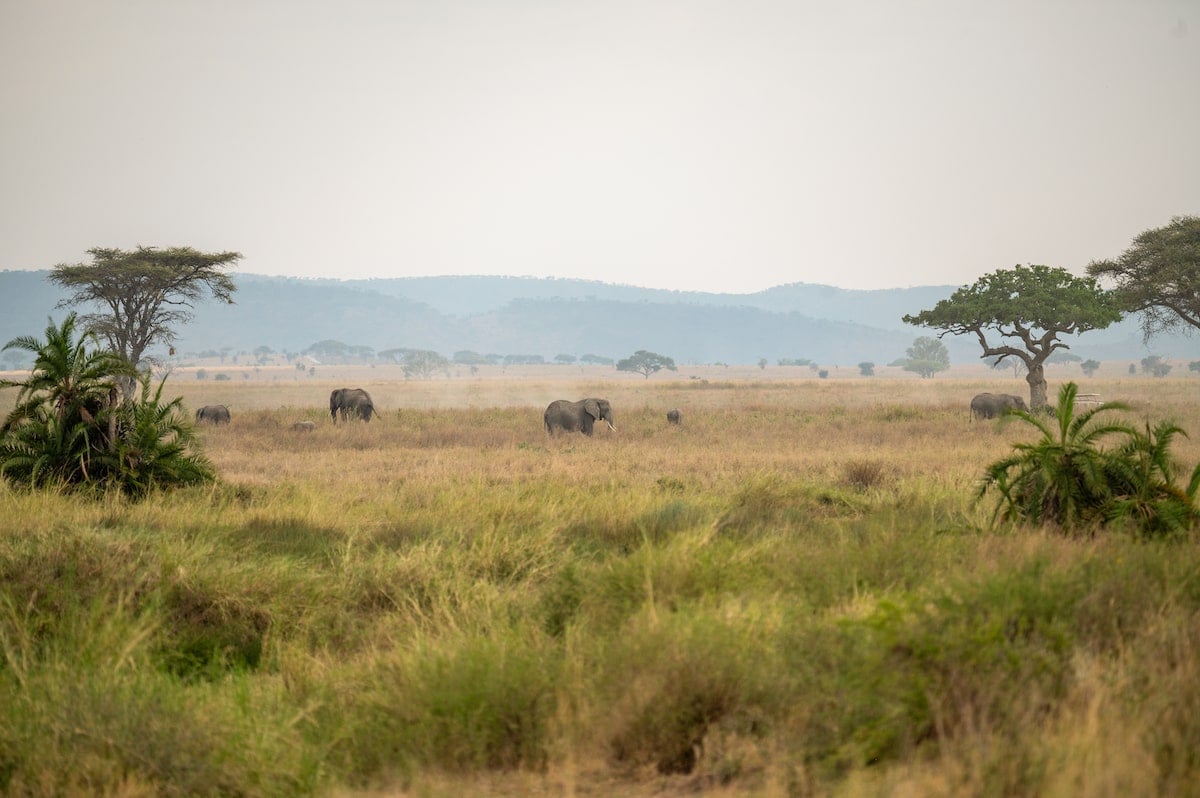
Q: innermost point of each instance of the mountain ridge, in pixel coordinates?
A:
(551, 316)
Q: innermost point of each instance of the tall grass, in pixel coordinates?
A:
(791, 593)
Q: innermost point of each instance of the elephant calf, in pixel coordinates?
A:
(304, 426)
(577, 416)
(674, 416)
(990, 405)
(212, 414)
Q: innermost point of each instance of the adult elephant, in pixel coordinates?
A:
(577, 416)
(990, 405)
(674, 416)
(351, 402)
(212, 414)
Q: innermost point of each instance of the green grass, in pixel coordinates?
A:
(438, 605)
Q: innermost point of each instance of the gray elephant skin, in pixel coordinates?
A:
(351, 403)
(566, 416)
(212, 414)
(990, 405)
(304, 426)
(674, 416)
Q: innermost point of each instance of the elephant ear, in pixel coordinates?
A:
(592, 408)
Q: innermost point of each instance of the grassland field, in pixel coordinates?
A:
(793, 592)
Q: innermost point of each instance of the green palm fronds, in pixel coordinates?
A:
(73, 426)
(1067, 479)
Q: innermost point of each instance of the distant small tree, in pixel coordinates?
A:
(1016, 366)
(420, 364)
(565, 360)
(1090, 367)
(327, 349)
(794, 361)
(1132, 369)
(762, 364)
(823, 373)
(1155, 367)
(524, 360)
(646, 363)
(1194, 366)
(1063, 356)
(596, 360)
(866, 369)
(927, 356)
(466, 357)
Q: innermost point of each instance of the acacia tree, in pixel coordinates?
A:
(1159, 276)
(646, 363)
(145, 293)
(1028, 307)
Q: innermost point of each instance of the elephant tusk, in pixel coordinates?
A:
(611, 427)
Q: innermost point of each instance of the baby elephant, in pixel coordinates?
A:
(304, 426)
(674, 416)
(212, 414)
(990, 405)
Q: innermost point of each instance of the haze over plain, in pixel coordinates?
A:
(686, 145)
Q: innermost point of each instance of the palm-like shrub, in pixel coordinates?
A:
(1066, 479)
(1143, 474)
(72, 426)
(68, 379)
(155, 445)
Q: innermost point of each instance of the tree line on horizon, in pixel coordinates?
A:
(145, 295)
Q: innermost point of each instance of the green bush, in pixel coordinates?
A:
(72, 427)
(1068, 480)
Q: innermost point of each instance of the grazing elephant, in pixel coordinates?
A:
(990, 405)
(351, 402)
(674, 416)
(577, 416)
(212, 414)
(304, 426)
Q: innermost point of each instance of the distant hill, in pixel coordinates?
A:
(549, 317)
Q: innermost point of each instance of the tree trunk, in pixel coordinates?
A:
(1036, 377)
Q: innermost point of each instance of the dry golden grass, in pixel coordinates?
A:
(899, 430)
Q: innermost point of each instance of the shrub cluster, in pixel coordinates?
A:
(73, 426)
(1066, 479)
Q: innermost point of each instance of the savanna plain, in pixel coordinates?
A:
(794, 592)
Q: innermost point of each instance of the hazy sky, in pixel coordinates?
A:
(718, 146)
